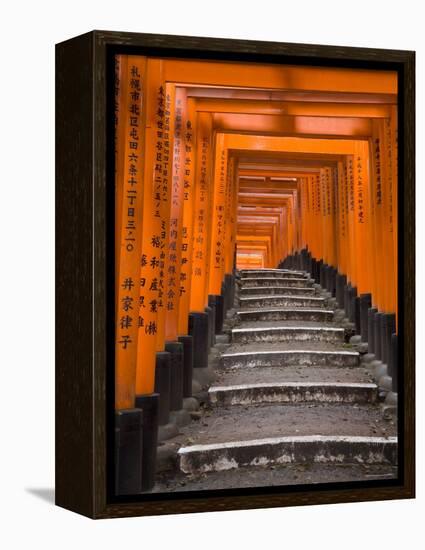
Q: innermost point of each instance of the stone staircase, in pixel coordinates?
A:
(290, 392)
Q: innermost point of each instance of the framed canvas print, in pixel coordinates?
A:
(235, 274)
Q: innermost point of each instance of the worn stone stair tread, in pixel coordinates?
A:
(277, 290)
(296, 298)
(293, 282)
(245, 314)
(278, 475)
(272, 272)
(275, 354)
(287, 334)
(290, 356)
(259, 347)
(276, 276)
(273, 275)
(285, 300)
(288, 450)
(258, 435)
(278, 309)
(248, 423)
(293, 392)
(295, 373)
(277, 269)
(286, 323)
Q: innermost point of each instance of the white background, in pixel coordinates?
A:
(29, 31)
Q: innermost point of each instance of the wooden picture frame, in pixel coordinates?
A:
(84, 358)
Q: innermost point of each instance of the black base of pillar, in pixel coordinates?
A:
(341, 282)
(319, 268)
(352, 304)
(388, 329)
(198, 329)
(304, 259)
(232, 290)
(377, 328)
(187, 342)
(211, 326)
(211, 304)
(322, 274)
(393, 364)
(356, 321)
(162, 385)
(219, 313)
(328, 278)
(365, 304)
(382, 330)
(149, 404)
(332, 280)
(128, 451)
(371, 312)
(347, 295)
(176, 374)
(223, 295)
(314, 269)
(228, 291)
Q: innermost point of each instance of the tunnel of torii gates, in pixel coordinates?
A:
(223, 166)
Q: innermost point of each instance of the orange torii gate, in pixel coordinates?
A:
(276, 215)
(214, 283)
(233, 102)
(179, 163)
(280, 231)
(358, 190)
(299, 77)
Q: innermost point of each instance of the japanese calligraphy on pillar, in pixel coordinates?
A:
(188, 200)
(172, 283)
(346, 204)
(162, 238)
(176, 215)
(318, 194)
(350, 182)
(153, 256)
(328, 192)
(378, 173)
(185, 278)
(201, 212)
(360, 190)
(229, 217)
(219, 211)
(200, 219)
(129, 184)
(341, 186)
(390, 171)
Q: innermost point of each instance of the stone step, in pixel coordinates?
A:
(288, 334)
(282, 357)
(273, 281)
(285, 314)
(293, 392)
(286, 290)
(275, 476)
(275, 433)
(281, 300)
(288, 450)
(227, 424)
(294, 373)
(249, 273)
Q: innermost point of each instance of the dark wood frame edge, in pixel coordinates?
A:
(81, 273)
